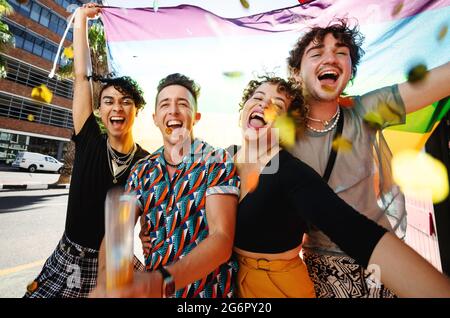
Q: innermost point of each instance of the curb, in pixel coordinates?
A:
(33, 186)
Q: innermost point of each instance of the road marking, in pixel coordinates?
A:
(12, 270)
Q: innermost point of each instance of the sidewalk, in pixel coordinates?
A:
(16, 180)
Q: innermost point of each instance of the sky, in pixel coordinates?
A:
(206, 60)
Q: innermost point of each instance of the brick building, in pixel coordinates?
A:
(37, 26)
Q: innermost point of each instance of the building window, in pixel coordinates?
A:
(43, 16)
(21, 108)
(28, 42)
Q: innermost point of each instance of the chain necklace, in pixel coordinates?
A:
(171, 164)
(123, 161)
(325, 122)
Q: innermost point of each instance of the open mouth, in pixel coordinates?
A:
(174, 124)
(257, 120)
(117, 121)
(328, 77)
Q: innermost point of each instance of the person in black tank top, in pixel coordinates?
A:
(102, 161)
(280, 195)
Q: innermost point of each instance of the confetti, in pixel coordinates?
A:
(155, 5)
(442, 33)
(32, 286)
(234, 74)
(387, 114)
(124, 214)
(270, 113)
(398, 7)
(68, 52)
(245, 4)
(418, 173)
(42, 93)
(374, 119)
(417, 73)
(346, 101)
(342, 144)
(286, 126)
(169, 131)
(30, 117)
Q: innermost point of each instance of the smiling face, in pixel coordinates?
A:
(175, 113)
(267, 98)
(325, 69)
(117, 112)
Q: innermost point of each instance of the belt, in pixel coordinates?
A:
(76, 250)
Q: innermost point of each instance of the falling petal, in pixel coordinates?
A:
(387, 114)
(343, 144)
(245, 4)
(328, 88)
(442, 33)
(286, 127)
(42, 93)
(374, 119)
(346, 101)
(68, 52)
(234, 74)
(168, 131)
(251, 182)
(30, 117)
(155, 5)
(420, 174)
(417, 73)
(270, 113)
(398, 7)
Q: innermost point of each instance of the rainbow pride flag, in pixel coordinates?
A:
(203, 39)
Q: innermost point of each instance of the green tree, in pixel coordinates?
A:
(6, 37)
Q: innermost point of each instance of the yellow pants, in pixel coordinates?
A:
(260, 278)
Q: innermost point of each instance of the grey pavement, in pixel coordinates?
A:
(31, 224)
(15, 179)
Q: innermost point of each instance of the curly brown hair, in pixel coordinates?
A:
(292, 89)
(125, 85)
(350, 37)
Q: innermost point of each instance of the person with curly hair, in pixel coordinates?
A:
(324, 61)
(280, 195)
(102, 161)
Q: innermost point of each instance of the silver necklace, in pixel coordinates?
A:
(336, 118)
(324, 122)
(114, 158)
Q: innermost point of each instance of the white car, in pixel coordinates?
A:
(33, 161)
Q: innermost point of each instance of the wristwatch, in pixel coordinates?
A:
(168, 286)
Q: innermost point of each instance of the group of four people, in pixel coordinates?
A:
(206, 229)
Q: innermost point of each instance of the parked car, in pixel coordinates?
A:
(33, 161)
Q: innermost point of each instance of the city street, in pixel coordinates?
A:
(14, 176)
(31, 224)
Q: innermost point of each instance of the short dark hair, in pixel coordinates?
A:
(125, 85)
(182, 80)
(297, 110)
(350, 37)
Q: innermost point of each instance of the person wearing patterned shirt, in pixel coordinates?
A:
(187, 199)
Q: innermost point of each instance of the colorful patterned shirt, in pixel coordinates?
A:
(175, 214)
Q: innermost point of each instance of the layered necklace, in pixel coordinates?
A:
(325, 123)
(119, 164)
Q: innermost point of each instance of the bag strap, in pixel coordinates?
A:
(333, 154)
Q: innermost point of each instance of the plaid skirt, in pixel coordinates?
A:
(336, 276)
(70, 272)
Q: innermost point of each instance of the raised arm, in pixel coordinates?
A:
(82, 96)
(432, 88)
(405, 272)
